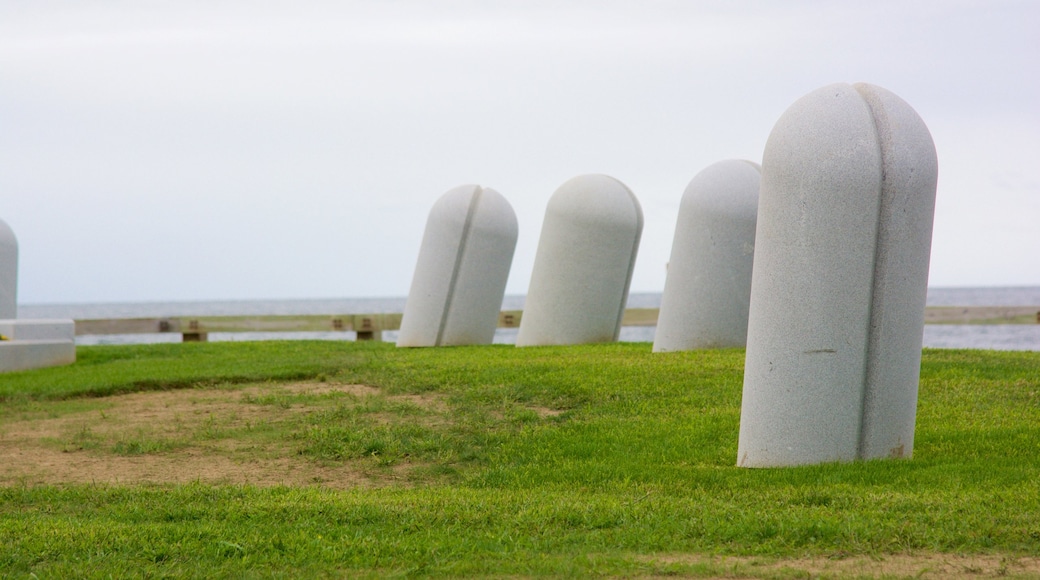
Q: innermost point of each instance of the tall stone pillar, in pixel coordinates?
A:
(708, 287)
(840, 276)
(583, 267)
(8, 273)
(460, 277)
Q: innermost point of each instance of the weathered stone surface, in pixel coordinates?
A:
(460, 277)
(583, 267)
(708, 287)
(8, 272)
(840, 276)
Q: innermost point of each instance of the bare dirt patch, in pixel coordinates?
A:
(887, 566)
(544, 412)
(176, 437)
(432, 402)
(326, 388)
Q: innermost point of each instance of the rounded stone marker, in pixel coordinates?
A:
(583, 266)
(838, 290)
(708, 287)
(8, 272)
(460, 277)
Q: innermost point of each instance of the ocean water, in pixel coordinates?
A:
(999, 337)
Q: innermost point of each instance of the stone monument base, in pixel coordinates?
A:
(36, 343)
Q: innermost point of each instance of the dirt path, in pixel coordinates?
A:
(933, 566)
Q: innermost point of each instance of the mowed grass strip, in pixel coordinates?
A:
(592, 460)
(108, 370)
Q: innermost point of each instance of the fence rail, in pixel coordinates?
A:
(371, 326)
(982, 315)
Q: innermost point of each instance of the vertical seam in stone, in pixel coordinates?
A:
(463, 240)
(876, 293)
(631, 262)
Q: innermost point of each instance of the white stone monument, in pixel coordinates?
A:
(24, 343)
(8, 272)
(838, 290)
(708, 287)
(460, 277)
(583, 267)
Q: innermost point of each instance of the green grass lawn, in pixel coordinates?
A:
(574, 461)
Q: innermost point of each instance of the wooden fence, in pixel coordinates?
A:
(371, 326)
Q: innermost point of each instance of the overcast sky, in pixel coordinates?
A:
(190, 150)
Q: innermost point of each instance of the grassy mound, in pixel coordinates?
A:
(593, 460)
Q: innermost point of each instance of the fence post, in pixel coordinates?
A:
(194, 333)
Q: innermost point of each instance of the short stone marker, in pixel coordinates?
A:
(838, 290)
(25, 343)
(708, 287)
(460, 277)
(583, 266)
(8, 272)
(32, 344)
